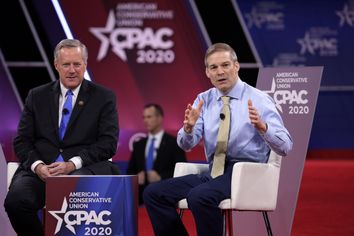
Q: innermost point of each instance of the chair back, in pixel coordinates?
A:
(274, 159)
(255, 185)
(187, 168)
(11, 169)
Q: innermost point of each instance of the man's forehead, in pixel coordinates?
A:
(219, 57)
(149, 111)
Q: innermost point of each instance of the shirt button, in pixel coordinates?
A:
(60, 150)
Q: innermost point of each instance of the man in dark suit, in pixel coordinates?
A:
(164, 151)
(67, 127)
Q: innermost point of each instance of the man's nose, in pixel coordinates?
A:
(219, 70)
(71, 68)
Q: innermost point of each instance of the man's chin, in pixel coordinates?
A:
(71, 83)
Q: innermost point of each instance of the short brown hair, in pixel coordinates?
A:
(220, 47)
(158, 108)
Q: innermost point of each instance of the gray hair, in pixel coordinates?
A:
(220, 47)
(71, 43)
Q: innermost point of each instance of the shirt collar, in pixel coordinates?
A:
(157, 136)
(235, 92)
(64, 90)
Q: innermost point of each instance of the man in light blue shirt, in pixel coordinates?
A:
(245, 142)
(255, 128)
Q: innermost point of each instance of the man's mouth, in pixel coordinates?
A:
(222, 80)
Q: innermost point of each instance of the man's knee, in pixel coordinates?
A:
(149, 191)
(197, 198)
(18, 201)
(9, 204)
(15, 202)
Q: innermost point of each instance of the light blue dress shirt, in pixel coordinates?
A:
(245, 142)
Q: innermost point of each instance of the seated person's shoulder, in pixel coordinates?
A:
(170, 137)
(139, 142)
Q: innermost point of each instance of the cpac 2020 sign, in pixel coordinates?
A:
(91, 205)
(125, 30)
(96, 223)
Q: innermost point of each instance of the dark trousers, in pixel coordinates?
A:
(27, 195)
(203, 196)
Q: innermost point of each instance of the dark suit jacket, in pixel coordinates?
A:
(167, 155)
(92, 131)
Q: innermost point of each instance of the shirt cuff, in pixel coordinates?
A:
(272, 138)
(270, 132)
(184, 133)
(77, 162)
(35, 164)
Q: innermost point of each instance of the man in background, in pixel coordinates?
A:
(68, 127)
(154, 157)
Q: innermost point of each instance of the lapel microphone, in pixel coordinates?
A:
(222, 116)
(65, 111)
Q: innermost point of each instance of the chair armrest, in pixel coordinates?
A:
(254, 186)
(11, 169)
(186, 168)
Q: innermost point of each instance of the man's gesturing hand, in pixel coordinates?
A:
(256, 120)
(191, 116)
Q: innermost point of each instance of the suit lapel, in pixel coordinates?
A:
(142, 161)
(162, 146)
(80, 103)
(54, 108)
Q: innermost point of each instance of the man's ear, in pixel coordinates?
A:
(237, 65)
(207, 72)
